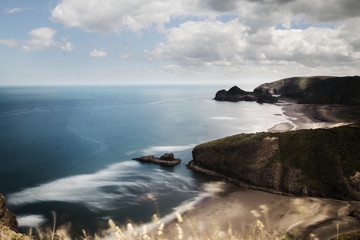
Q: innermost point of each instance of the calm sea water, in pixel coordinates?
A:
(69, 149)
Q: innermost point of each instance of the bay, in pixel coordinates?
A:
(69, 149)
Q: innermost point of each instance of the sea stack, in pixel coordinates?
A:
(166, 159)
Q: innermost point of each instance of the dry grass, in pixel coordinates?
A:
(156, 231)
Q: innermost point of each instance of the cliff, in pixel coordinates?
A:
(320, 162)
(316, 90)
(7, 219)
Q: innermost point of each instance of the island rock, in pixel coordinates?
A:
(166, 159)
(235, 94)
(7, 219)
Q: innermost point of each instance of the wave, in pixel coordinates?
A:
(119, 185)
(24, 111)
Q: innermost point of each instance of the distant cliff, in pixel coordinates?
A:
(320, 162)
(235, 94)
(7, 219)
(316, 90)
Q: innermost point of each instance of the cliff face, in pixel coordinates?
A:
(7, 219)
(321, 162)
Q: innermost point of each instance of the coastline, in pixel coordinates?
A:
(281, 215)
(303, 116)
(297, 217)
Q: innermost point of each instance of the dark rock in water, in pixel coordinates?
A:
(7, 218)
(166, 159)
(235, 94)
(167, 156)
(355, 213)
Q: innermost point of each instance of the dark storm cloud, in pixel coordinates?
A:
(220, 6)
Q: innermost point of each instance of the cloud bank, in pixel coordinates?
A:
(233, 37)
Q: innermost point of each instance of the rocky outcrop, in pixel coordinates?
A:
(321, 162)
(355, 213)
(235, 94)
(7, 219)
(166, 159)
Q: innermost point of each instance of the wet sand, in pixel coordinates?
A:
(296, 217)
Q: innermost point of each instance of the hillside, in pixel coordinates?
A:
(317, 89)
(320, 162)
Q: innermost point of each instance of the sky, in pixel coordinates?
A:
(76, 42)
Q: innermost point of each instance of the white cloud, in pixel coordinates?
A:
(98, 53)
(195, 43)
(16, 10)
(40, 39)
(115, 15)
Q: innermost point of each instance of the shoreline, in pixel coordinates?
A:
(281, 215)
(303, 116)
(240, 210)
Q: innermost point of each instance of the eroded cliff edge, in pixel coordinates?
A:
(7, 219)
(318, 162)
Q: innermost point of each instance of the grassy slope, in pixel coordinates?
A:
(324, 157)
(336, 90)
(318, 89)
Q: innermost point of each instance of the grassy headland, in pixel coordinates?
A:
(317, 90)
(318, 162)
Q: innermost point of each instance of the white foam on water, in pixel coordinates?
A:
(121, 184)
(161, 149)
(30, 220)
(23, 111)
(223, 118)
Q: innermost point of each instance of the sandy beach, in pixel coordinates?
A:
(301, 116)
(295, 217)
(280, 215)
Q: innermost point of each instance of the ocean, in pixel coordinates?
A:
(68, 150)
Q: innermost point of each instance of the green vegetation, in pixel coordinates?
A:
(320, 162)
(289, 87)
(317, 90)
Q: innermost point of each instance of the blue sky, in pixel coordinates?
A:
(74, 42)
